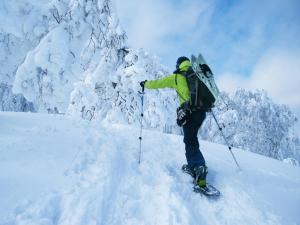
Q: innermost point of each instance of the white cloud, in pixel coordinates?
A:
(277, 72)
(155, 25)
(230, 82)
(231, 35)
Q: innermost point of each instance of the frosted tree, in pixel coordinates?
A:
(80, 34)
(252, 121)
(17, 37)
(111, 92)
(78, 45)
(159, 105)
(10, 56)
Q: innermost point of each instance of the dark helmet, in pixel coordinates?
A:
(180, 60)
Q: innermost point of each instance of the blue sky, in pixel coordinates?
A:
(248, 43)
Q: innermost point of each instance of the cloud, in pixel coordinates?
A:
(277, 72)
(230, 82)
(242, 31)
(231, 34)
(162, 27)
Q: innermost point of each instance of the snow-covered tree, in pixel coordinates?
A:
(111, 92)
(79, 34)
(78, 45)
(252, 121)
(12, 102)
(15, 41)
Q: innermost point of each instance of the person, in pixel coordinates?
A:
(196, 165)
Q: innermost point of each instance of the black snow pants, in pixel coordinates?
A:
(193, 154)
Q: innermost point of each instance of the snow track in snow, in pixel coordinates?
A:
(112, 188)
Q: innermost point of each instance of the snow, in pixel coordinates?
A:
(59, 170)
(72, 56)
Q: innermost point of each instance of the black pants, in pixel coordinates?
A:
(193, 154)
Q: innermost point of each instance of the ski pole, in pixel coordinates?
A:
(141, 128)
(226, 141)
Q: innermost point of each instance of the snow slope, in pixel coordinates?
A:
(76, 172)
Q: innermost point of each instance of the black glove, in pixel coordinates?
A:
(142, 83)
(183, 114)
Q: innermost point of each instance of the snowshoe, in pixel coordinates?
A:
(201, 187)
(207, 190)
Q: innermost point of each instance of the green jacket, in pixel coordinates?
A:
(175, 81)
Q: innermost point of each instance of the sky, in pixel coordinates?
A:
(248, 43)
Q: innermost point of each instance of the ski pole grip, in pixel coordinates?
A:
(143, 85)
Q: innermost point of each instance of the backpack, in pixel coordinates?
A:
(203, 90)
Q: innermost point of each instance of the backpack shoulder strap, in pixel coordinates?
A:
(176, 72)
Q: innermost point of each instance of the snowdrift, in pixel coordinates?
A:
(76, 172)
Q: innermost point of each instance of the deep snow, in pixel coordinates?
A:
(77, 172)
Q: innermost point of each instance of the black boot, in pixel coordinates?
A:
(187, 169)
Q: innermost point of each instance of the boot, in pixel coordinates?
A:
(200, 175)
(187, 169)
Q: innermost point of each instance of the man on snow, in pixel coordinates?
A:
(190, 119)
